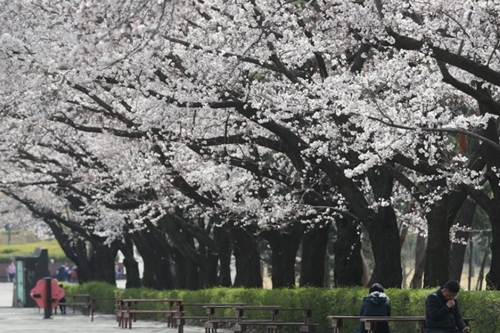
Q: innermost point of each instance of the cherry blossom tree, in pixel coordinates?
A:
(267, 113)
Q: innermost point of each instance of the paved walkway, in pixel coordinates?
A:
(26, 320)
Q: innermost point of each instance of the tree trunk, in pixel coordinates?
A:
(247, 255)
(493, 276)
(102, 263)
(314, 246)
(156, 254)
(384, 236)
(437, 261)
(131, 265)
(464, 220)
(420, 246)
(479, 284)
(348, 264)
(221, 237)
(164, 277)
(284, 246)
(384, 233)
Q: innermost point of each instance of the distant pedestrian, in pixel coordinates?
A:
(74, 274)
(11, 272)
(62, 274)
(118, 271)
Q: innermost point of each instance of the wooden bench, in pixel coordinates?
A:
(213, 323)
(338, 321)
(85, 301)
(370, 322)
(272, 325)
(181, 318)
(127, 310)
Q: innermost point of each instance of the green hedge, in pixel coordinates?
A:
(482, 305)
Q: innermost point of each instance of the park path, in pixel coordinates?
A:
(27, 320)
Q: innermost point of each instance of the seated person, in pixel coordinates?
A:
(441, 310)
(375, 304)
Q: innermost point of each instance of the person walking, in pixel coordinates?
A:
(441, 310)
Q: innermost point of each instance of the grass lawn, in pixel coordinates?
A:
(25, 244)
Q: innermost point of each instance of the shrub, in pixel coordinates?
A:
(481, 305)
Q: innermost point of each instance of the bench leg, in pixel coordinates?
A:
(180, 325)
(212, 329)
(243, 329)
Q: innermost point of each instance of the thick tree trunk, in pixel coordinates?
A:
(164, 277)
(95, 261)
(155, 253)
(348, 264)
(247, 256)
(420, 248)
(463, 220)
(384, 236)
(314, 246)
(493, 276)
(131, 265)
(101, 263)
(221, 237)
(206, 278)
(284, 246)
(384, 233)
(437, 261)
(209, 279)
(148, 258)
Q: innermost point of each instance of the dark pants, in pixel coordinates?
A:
(62, 307)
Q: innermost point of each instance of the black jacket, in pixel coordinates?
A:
(438, 315)
(375, 304)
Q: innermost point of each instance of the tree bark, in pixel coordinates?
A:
(437, 261)
(221, 237)
(420, 248)
(131, 265)
(284, 246)
(493, 276)
(384, 233)
(314, 246)
(464, 220)
(348, 264)
(247, 256)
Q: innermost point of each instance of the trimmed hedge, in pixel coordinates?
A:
(482, 305)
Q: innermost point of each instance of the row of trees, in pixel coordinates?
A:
(190, 129)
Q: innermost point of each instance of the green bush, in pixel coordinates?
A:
(481, 305)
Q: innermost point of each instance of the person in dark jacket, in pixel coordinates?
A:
(375, 304)
(441, 310)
